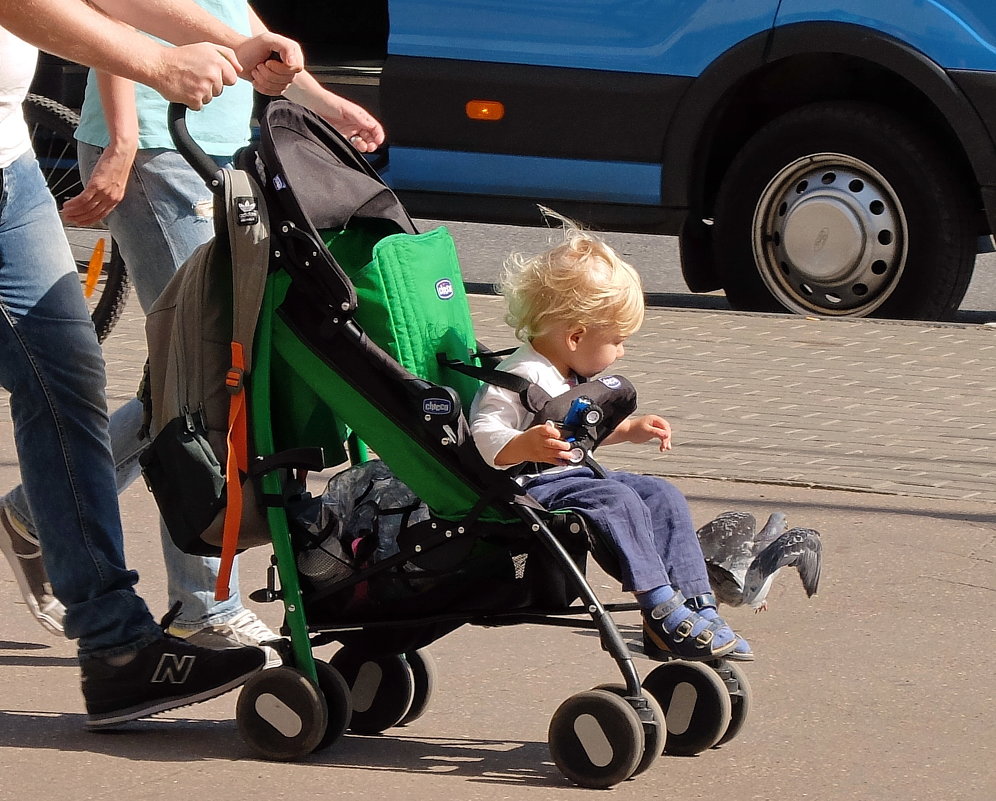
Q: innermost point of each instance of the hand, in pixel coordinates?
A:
(357, 125)
(541, 443)
(105, 188)
(194, 74)
(648, 427)
(270, 75)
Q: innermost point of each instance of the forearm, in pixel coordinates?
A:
(78, 33)
(307, 91)
(117, 98)
(176, 21)
(620, 433)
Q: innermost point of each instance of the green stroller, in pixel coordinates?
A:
(357, 334)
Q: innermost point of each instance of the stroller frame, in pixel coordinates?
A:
(316, 691)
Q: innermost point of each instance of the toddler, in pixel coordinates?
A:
(573, 307)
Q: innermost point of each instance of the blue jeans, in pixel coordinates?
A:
(646, 518)
(52, 366)
(165, 215)
(163, 218)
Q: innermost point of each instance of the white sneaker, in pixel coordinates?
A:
(243, 629)
(23, 551)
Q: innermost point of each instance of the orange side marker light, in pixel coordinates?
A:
(486, 110)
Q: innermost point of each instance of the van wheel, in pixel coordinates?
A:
(845, 210)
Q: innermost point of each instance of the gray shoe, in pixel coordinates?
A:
(23, 552)
(243, 629)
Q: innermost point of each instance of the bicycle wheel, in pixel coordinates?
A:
(51, 126)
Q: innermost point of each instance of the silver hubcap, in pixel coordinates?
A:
(830, 236)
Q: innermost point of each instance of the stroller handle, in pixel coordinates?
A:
(201, 162)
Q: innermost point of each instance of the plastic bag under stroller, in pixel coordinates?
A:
(366, 516)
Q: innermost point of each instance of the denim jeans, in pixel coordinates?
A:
(646, 518)
(52, 366)
(164, 216)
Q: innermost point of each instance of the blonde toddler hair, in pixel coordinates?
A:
(580, 281)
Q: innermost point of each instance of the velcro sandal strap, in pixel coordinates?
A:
(661, 611)
(704, 601)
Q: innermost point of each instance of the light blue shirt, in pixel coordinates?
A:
(220, 128)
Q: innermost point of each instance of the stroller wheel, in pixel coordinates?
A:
(596, 739)
(740, 694)
(696, 705)
(281, 715)
(340, 708)
(424, 673)
(381, 688)
(654, 736)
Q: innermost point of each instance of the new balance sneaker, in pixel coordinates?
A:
(23, 552)
(167, 674)
(243, 629)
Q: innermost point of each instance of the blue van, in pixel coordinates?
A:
(832, 158)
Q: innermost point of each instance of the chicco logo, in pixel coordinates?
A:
(436, 406)
(444, 289)
(611, 381)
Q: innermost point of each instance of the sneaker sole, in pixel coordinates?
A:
(119, 716)
(48, 623)
(733, 656)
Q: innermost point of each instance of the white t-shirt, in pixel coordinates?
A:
(497, 415)
(17, 68)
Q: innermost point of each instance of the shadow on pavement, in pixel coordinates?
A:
(185, 740)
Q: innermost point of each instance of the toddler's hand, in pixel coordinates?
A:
(541, 443)
(651, 426)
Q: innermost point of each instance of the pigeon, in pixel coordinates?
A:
(730, 544)
(798, 547)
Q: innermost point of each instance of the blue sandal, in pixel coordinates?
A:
(705, 604)
(689, 636)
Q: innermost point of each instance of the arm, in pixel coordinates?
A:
(184, 22)
(497, 422)
(75, 31)
(191, 74)
(642, 429)
(349, 119)
(107, 184)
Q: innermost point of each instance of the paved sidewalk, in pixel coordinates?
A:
(878, 688)
(898, 408)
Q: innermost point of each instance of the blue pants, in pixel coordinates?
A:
(165, 215)
(52, 366)
(646, 519)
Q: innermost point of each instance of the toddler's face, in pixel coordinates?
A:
(596, 350)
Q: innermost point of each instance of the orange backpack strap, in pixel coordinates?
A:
(236, 465)
(248, 235)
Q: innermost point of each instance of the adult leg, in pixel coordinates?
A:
(164, 216)
(52, 366)
(51, 363)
